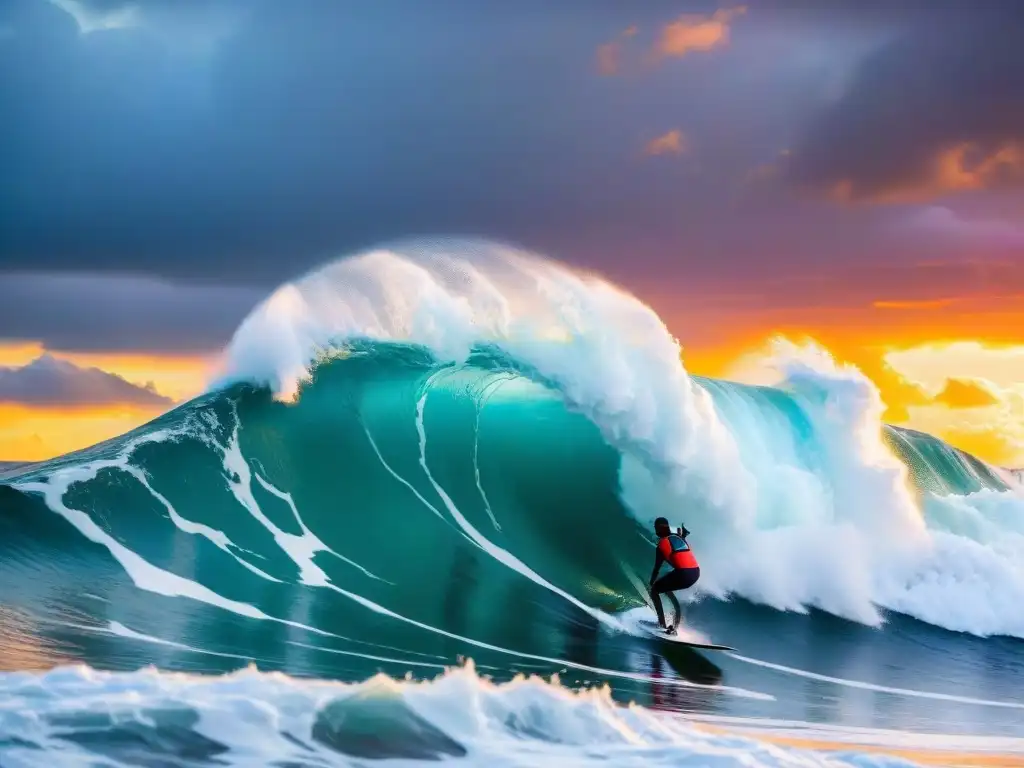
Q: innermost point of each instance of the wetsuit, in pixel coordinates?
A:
(674, 550)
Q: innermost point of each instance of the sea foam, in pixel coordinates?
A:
(71, 716)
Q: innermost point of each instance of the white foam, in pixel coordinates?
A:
(848, 534)
(610, 354)
(287, 499)
(143, 573)
(839, 531)
(301, 548)
(59, 480)
(633, 620)
(476, 466)
(117, 629)
(218, 538)
(260, 717)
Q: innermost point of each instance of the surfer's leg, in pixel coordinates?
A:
(678, 613)
(656, 598)
(669, 584)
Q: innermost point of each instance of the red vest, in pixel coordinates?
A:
(677, 552)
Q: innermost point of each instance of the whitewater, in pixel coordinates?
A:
(447, 450)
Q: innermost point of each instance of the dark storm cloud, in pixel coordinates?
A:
(243, 142)
(110, 313)
(50, 381)
(248, 140)
(939, 109)
(296, 134)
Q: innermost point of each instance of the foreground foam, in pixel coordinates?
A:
(75, 715)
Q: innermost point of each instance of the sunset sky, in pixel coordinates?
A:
(844, 171)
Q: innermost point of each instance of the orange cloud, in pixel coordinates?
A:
(1002, 365)
(962, 167)
(965, 166)
(32, 432)
(609, 55)
(179, 377)
(48, 381)
(992, 375)
(687, 34)
(672, 143)
(12, 355)
(692, 32)
(966, 393)
(921, 304)
(22, 446)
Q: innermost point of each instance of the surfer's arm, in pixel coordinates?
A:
(658, 560)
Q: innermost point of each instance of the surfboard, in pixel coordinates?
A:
(653, 629)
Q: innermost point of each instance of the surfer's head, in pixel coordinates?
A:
(661, 527)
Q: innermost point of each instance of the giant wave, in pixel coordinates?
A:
(795, 489)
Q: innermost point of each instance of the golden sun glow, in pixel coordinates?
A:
(970, 393)
(978, 394)
(36, 432)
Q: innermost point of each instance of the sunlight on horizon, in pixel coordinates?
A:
(994, 432)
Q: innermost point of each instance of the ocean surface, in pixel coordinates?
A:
(411, 519)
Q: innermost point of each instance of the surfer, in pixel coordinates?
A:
(672, 549)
